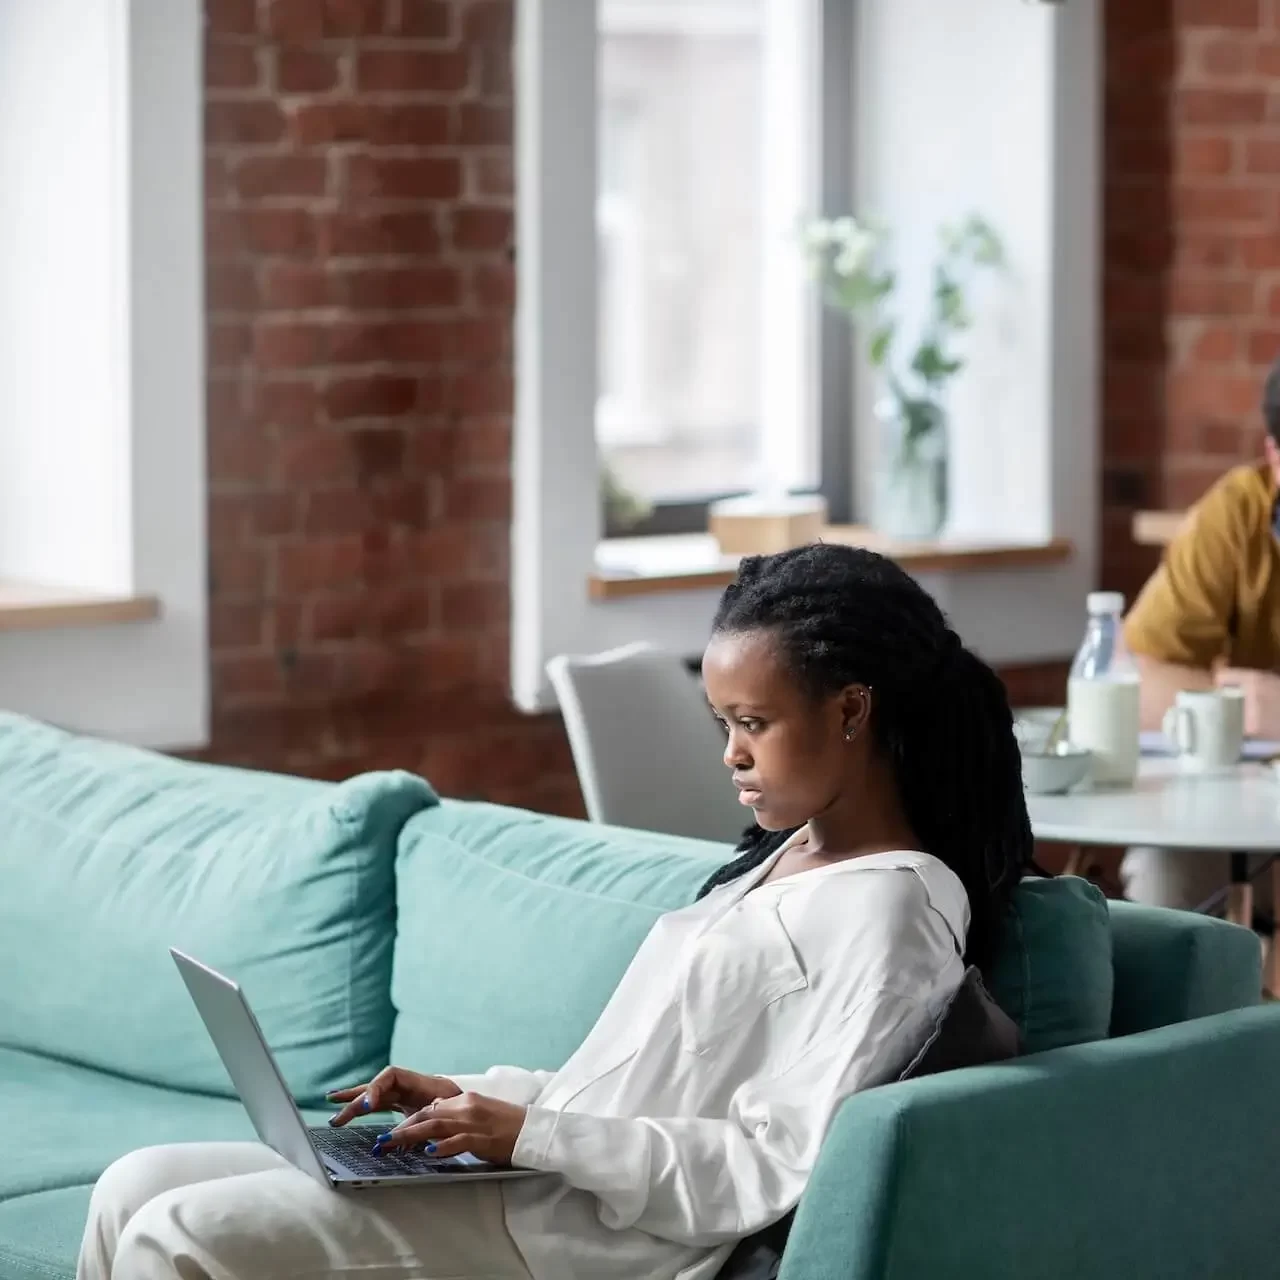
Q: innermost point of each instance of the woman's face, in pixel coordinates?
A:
(788, 751)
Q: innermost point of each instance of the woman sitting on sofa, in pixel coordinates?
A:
(810, 967)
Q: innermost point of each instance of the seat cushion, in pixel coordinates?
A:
(40, 1234)
(515, 928)
(1053, 974)
(111, 855)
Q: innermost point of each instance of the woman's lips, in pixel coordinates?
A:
(748, 796)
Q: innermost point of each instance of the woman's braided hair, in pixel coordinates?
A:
(940, 715)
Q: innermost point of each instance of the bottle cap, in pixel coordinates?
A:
(1105, 602)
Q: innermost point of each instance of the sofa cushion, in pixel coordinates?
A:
(40, 1234)
(515, 928)
(110, 855)
(1053, 973)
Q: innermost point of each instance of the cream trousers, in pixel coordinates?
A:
(238, 1211)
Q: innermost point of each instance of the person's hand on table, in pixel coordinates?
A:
(1261, 690)
(392, 1089)
(470, 1122)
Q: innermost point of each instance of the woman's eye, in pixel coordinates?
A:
(752, 726)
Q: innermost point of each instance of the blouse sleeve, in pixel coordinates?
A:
(703, 1182)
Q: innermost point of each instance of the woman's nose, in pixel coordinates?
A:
(736, 755)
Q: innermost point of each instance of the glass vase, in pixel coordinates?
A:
(911, 496)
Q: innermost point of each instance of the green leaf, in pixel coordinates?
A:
(881, 341)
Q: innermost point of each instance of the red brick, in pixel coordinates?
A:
(235, 625)
(271, 514)
(411, 70)
(338, 616)
(405, 234)
(289, 232)
(1216, 394)
(1209, 295)
(286, 344)
(481, 442)
(1259, 252)
(493, 285)
(489, 20)
(378, 451)
(426, 19)
(231, 17)
(402, 503)
(294, 286)
(242, 120)
(481, 340)
(481, 229)
(418, 124)
(405, 341)
(237, 571)
(224, 233)
(356, 17)
(405, 178)
(464, 605)
(1264, 347)
(217, 185)
(224, 400)
(481, 393)
(1205, 156)
(1262, 155)
(1216, 344)
(318, 564)
(377, 396)
(230, 66)
(285, 404)
(230, 287)
(403, 288)
(1222, 204)
(490, 175)
(496, 73)
(478, 498)
(306, 70)
(228, 342)
(1220, 106)
(1244, 14)
(312, 457)
(258, 176)
(482, 125)
(313, 123)
(1266, 58)
(237, 454)
(1199, 248)
(1226, 56)
(241, 675)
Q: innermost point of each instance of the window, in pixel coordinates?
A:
(710, 151)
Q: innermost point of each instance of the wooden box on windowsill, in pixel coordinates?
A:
(758, 525)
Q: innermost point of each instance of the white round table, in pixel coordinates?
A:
(1237, 812)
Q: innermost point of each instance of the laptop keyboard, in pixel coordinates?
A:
(352, 1146)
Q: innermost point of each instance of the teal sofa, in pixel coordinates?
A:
(356, 914)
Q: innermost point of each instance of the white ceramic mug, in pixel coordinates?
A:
(1206, 727)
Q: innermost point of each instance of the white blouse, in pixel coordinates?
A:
(693, 1112)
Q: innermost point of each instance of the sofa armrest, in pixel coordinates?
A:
(1171, 966)
(1147, 1156)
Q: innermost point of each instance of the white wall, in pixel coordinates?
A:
(102, 478)
(1000, 109)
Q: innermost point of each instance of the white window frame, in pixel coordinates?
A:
(145, 682)
(1008, 616)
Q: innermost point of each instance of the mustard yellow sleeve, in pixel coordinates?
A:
(1183, 614)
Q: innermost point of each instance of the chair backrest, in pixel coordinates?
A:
(647, 751)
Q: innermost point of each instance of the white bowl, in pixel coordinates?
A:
(1050, 773)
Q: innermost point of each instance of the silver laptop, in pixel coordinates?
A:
(337, 1157)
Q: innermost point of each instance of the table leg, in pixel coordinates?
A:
(1240, 894)
(1075, 861)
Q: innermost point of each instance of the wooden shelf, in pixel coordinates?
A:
(708, 571)
(24, 607)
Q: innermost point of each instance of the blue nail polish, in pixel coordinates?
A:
(431, 1148)
(382, 1137)
(377, 1148)
(364, 1103)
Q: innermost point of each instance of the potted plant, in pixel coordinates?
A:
(850, 259)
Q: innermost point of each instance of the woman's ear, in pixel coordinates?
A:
(855, 709)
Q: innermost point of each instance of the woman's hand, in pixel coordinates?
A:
(392, 1089)
(466, 1122)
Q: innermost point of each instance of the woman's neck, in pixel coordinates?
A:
(868, 820)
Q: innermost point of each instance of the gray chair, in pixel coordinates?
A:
(647, 750)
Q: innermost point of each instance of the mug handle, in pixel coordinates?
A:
(1179, 726)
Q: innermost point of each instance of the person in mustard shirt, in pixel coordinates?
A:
(1210, 614)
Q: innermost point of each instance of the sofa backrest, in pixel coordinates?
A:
(515, 927)
(110, 855)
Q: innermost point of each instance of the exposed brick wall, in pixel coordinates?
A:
(358, 167)
(1192, 225)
